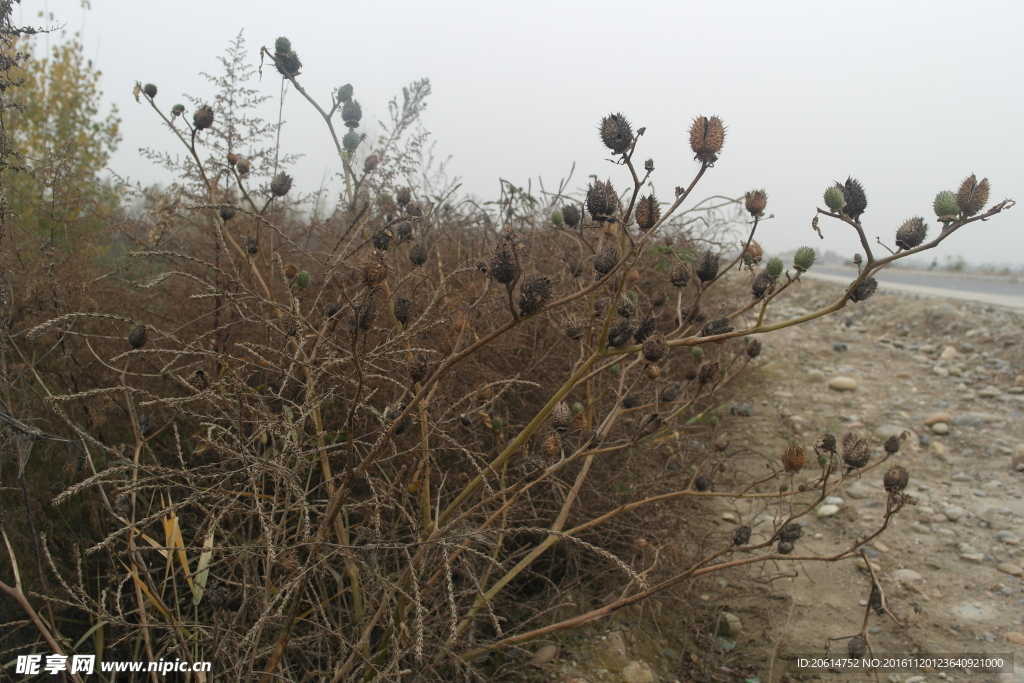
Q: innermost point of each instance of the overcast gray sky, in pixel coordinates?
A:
(907, 97)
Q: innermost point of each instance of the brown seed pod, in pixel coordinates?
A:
(896, 479)
(534, 295)
(560, 416)
(892, 445)
(670, 394)
(785, 547)
(716, 326)
(571, 215)
(763, 284)
(232, 158)
(626, 307)
(381, 239)
(678, 276)
(226, 213)
(620, 334)
(702, 482)
(602, 200)
(281, 184)
(418, 255)
(753, 253)
(606, 259)
(574, 328)
(706, 138)
(203, 117)
(503, 267)
(864, 290)
(375, 272)
(826, 442)
(652, 372)
(418, 368)
(741, 536)
(794, 458)
(754, 348)
(403, 196)
(243, 167)
(644, 329)
(616, 133)
(290, 271)
(658, 300)
(707, 267)
(579, 422)
(647, 212)
(402, 307)
(654, 348)
(875, 601)
(791, 532)
(630, 401)
(551, 446)
(709, 372)
(138, 336)
(856, 451)
(856, 198)
(370, 163)
(972, 195)
(150, 90)
(755, 202)
(912, 233)
(857, 648)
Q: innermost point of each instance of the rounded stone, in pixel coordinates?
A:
(842, 384)
(940, 428)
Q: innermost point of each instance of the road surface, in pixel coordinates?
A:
(1006, 292)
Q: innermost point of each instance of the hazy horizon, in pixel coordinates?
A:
(909, 98)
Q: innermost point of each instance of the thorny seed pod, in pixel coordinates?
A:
(791, 532)
(574, 328)
(252, 246)
(721, 443)
(706, 138)
(693, 313)
(243, 167)
(785, 547)
(560, 417)
(616, 133)
(630, 401)
(945, 205)
(606, 259)
(707, 267)
(856, 451)
(658, 300)
(178, 110)
(203, 117)
(774, 267)
(345, 92)
(754, 348)
(599, 305)
(375, 272)
(403, 196)
(382, 239)
(911, 233)
(670, 394)
(741, 536)
(753, 253)
(826, 442)
(551, 446)
(647, 212)
(350, 141)
(198, 380)
(368, 312)
(649, 165)
(856, 198)
(217, 594)
(602, 200)
(697, 352)
(857, 648)
(762, 284)
(351, 113)
(678, 275)
(281, 184)
(972, 195)
(418, 255)
(418, 368)
(227, 213)
(875, 601)
(571, 214)
(123, 505)
(794, 458)
(716, 326)
(892, 445)
(532, 468)
(291, 326)
(371, 162)
(503, 267)
(620, 334)
(803, 259)
(404, 230)
(534, 295)
(896, 479)
(402, 307)
(709, 372)
(864, 290)
(137, 337)
(755, 202)
(835, 200)
(290, 271)
(702, 482)
(147, 424)
(626, 307)
(302, 280)
(287, 61)
(654, 348)
(150, 90)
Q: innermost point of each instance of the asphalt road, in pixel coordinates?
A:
(1005, 292)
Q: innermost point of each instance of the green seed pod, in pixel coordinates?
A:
(302, 280)
(713, 421)
(615, 370)
(616, 133)
(497, 423)
(697, 352)
(351, 113)
(803, 259)
(774, 267)
(557, 218)
(945, 205)
(834, 199)
(351, 141)
(345, 92)
(150, 90)
(179, 109)
(577, 407)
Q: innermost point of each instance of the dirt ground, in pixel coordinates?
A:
(950, 375)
